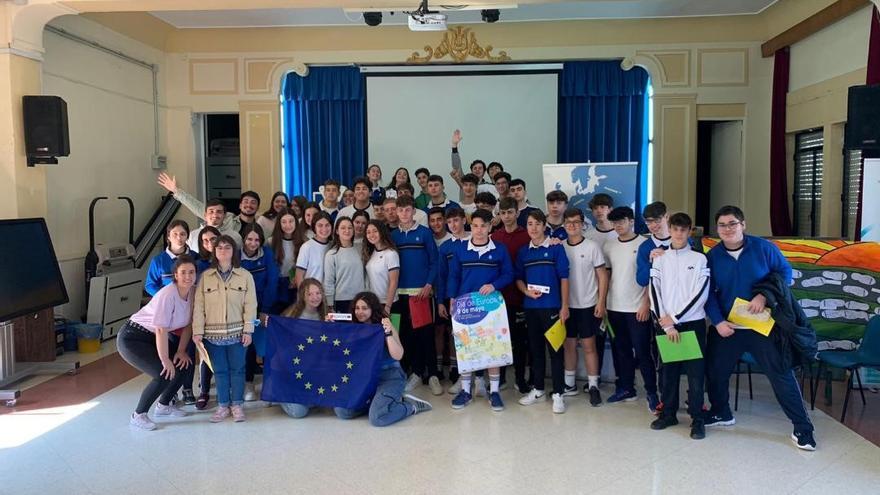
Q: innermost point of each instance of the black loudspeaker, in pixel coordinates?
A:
(863, 118)
(45, 129)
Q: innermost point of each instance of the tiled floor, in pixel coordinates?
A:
(90, 448)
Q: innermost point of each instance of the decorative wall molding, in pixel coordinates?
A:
(674, 65)
(459, 43)
(722, 67)
(213, 76)
(258, 74)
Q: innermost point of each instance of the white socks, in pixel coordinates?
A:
(569, 378)
(593, 381)
(494, 380)
(466, 382)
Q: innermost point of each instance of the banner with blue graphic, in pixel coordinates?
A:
(580, 181)
(481, 332)
(321, 363)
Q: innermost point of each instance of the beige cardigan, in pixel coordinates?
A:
(225, 310)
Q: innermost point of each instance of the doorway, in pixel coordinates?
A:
(719, 169)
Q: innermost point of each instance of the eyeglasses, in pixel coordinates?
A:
(728, 226)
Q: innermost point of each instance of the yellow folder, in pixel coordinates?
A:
(556, 335)
(739, 315)
(203, 353)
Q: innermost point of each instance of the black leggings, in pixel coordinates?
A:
(539, 321)
(419, 353)
(138, 348)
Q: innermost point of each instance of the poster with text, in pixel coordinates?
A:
(481, 332)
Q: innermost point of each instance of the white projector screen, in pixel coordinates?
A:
(508, 118)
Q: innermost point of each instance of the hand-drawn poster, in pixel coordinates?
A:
(481, 332)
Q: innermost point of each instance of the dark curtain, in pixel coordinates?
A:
(603, 117)
(323, 127)
(872, 78)
(780, 219)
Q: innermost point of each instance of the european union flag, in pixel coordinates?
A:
(322, 364)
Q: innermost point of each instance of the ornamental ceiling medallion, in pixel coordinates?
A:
(459, 43)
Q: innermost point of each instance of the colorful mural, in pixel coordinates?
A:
(837, 283)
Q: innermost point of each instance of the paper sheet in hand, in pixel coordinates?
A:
(685, 350)
(556, 335)
(739, 315)
(203, 353)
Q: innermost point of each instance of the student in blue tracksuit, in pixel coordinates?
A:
(418, 276)
(259, 260)
(160, 272)
(479, 265)
(557, 203)
(454, 227)
(737, 263)
(542, 275)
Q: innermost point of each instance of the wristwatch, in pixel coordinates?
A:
(389, 333)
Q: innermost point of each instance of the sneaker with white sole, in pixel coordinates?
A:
(804, 440)
(558, 404)
(434, 385)
(718, 420)
(142, 421)
(455, 388)
(171, 410)
(419, 405)
(533, 397)
(412, 382)
(461, 400)
(480, 387)
(238, 414)
(220, 414)
(570, 391)
(495, 402)
(250, 392)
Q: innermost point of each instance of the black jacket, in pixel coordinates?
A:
(793, 333)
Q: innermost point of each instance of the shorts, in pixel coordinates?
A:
(582, 324)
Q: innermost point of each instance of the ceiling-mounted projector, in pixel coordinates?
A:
(427, 22)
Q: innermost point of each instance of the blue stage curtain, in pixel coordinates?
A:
(323, 127)
(603, 117)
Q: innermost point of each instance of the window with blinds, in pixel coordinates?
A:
(852, 172)
(808, 182)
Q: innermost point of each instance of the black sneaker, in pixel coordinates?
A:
(698, 429)
(570, 391)
(664, 422)
(188, 397)
(804, 440)
(595, 397)
(718, 420)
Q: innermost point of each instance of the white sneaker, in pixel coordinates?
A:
(434, 384)
(142, 421)
(170, 410)
(558, 404)
(250, 392)
(455, 388)
(413, 382)
(533, 397)
(479, 387)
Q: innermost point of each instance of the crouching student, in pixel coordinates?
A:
(478, 265)
(542, 275)
(389, 404)
(588, 286)
(679, 289)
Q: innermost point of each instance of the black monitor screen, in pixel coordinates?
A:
(30, 279)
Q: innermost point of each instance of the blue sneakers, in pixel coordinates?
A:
(622, 396)
(495, 401)
(462, 399)
(653, 403)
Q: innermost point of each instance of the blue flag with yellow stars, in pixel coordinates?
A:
(318, 363)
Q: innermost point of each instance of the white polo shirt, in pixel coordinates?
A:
(624, 293)
(583, 285)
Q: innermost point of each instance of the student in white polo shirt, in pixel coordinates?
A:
(587, 289)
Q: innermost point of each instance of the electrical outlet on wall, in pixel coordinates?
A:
(159, 162)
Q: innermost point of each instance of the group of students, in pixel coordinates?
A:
(388, 246)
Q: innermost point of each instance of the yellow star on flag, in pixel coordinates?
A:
(323, 338)
(296, 360)
(336, 342)
(308, 386)
(299, 375)
(310, 340)
(334, 388)
(346, 352)
(349, 365)
(301, 347)
(320, 390)
(344, 378)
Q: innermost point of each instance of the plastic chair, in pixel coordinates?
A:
(749, 361)
(866, 356)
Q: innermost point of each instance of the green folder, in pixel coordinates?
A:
(685, 350)
(395, 320)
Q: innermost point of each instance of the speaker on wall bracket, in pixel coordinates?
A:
(46, 135)
(863, 118)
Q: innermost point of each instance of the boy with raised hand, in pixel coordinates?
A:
(479, 265)
(422, 199)
(418, 275)
(419, 215)
(587, 289)
(437, 195)
(557, 203)
(600, 206)
(478, 168)
(361, 188)
(739, 262)
(628, 315)
(678, 291)
(514, 238)
(226, 222)
(523, 207)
